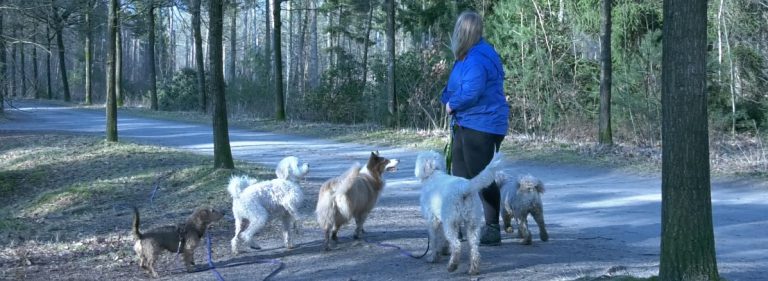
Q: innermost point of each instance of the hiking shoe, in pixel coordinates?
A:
(491, 235)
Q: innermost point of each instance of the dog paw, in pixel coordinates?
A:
(544, 236)
(509, 229)
(526, 241)
(473, 271)
(452, 267)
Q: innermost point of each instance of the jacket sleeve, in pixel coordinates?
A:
(473, 82)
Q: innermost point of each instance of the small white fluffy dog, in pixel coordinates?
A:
(518, 199)
(450, 202)
(258, 202)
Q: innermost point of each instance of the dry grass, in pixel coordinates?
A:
(67, 197)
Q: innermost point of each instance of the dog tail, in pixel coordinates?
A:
(135, 229)
(237, 184)
(487, 176)
(345, 183)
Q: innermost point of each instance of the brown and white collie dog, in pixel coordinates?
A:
(351, 195)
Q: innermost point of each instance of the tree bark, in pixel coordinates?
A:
(314, 56)
(111, 107)
(278, 60)
(119, 58)
(365, 47)
(88, 54)
(232, 44)
(199, 64)
(605, 136)
(222, 153)
(151, 58)
(35, 71)
(394, 118)
(268, 43)
(48, 62)
(62, 61)
(687, 238)
(3, 54)
(22, 68)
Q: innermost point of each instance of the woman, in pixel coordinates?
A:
(475, 98)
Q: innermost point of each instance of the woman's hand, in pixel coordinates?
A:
(448, 108)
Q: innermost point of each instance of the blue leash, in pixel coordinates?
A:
(210, 260)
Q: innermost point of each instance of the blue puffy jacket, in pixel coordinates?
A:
(475, 91)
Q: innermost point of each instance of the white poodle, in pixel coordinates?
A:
(258, 202)
(450, 202)
(518, 199)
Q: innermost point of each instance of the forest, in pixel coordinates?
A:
(382, 62)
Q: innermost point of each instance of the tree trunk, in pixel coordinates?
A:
(111, 108)
(279, 95)
(13, 63)
(48, 62)
(300, 60)
(35, 71)
(222, 154)
(62, 61)
(394, 118)
(199, 64)
(365, 47)
(88, 55)
(23, 68)
(232, 44)
(3, 54)
(151, 58)
(687, 238)
(604, 130)
(119, 58)
(268, 44)
(314, 56)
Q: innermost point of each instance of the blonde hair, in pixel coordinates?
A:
(466, 33)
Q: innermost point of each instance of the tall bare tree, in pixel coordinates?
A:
(111, 108)
(60, 16)
(88, 52)
(151, 56)
(199, 64)
(604, 129)
(278, 61)
(687, 236)
(3, 54)
(314, 55)
(232, 43)
(222, 153)
(394, 118)
(119, 57)
(48, 62)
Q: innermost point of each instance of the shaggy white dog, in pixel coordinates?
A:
(518, 199)
(258, 202)
(450, 202)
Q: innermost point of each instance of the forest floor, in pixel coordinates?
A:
(65, 197)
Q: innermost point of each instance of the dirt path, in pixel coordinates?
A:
(599, 220)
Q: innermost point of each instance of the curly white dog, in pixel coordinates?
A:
(518, 199)
(450, 202)
(258, 202)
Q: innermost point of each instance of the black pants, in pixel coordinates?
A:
(471, 151)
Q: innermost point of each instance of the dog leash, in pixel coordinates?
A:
(398, 248)
(212, 267)
(210, 260)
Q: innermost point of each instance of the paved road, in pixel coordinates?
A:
(599, 219)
